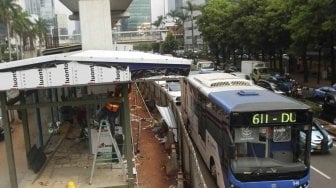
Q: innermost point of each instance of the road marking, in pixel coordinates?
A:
(334, 145)
(318, 171)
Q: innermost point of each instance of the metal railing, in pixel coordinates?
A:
(139, 36)
(121, 37)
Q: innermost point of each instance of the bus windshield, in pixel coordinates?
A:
(274, 152)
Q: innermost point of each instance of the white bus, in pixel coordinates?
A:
(247, 135)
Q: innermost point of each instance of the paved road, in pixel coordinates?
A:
(323, 168)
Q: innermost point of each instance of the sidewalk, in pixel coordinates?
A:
(68, 159)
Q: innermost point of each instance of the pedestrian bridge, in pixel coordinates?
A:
(120, 37)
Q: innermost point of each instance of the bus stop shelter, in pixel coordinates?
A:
(46, 83)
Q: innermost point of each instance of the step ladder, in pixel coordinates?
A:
(104, 126)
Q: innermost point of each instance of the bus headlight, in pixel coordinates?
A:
(305, 185)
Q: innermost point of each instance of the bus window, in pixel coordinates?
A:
(248, 142)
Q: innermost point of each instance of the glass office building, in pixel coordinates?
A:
(43, 9)
(140, 14)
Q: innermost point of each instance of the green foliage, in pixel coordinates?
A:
(267, 27)
(19, 26)
(156, 47)
(145, 47)
(316, 108)
(5, 57)
(40, 28)
(159, 22)
(169, 45)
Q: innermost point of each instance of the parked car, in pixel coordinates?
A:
(321, 91)
(174, 91)
(329, 107)
(285, 84)
(270, 86)
(321, 141)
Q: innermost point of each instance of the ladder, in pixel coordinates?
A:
(105, 125)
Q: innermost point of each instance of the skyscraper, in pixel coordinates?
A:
(48, 12)
(178, 5)
(43, 9)
(33, 7)
(140, 13)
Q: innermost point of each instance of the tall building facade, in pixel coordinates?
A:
(47, 12)
(140, 14)
(44, 9)
(62, 24)
(178, 5)
(33, 7)
(3, 28)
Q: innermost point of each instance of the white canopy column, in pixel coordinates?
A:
(96, 25)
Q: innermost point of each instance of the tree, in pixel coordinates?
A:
(173, 14)
(40, 29)
(214, 24)
(305, 33)
(181, 18)
(191, 8)
(328, 27)
(277, 15)
(159, 22)
(21, 26)
(8, 8)
(169, 45)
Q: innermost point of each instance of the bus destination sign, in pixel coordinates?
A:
(273, 118)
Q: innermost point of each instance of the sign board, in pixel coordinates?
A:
(65, 74)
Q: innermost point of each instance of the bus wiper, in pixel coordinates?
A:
(262, 170)
(258, 171)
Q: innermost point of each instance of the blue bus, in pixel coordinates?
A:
(247, 136)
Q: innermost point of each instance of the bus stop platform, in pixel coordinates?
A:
(69, 160)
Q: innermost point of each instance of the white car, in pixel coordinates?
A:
(205, 66)
(321, 141)
(174, 91)
(161, 83)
